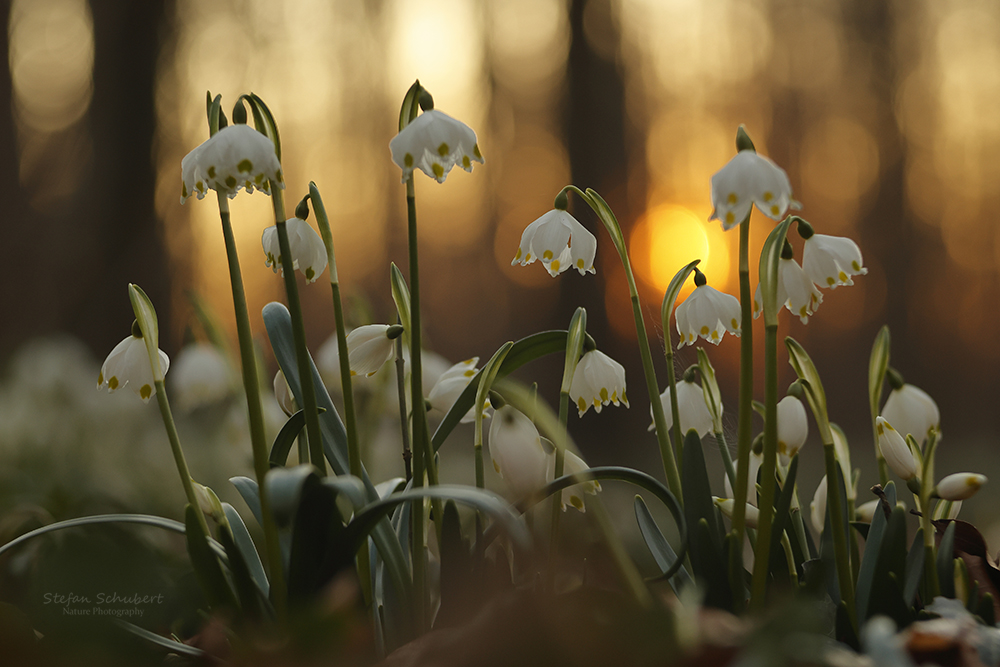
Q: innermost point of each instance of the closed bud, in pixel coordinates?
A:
(960, 486)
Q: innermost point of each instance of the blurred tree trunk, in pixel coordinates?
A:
(594, 115)
(117, 199)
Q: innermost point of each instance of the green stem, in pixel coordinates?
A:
(838, 527)
(744, 430)
(675, 412)
(298, 333)
(610, 222)
(793, 573)
(560, 461)
(251, 385)
(420, 446)
(404, 414)
(762, 555)
(175, 448)
(727, 461)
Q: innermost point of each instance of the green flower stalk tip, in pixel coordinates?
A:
(302, 209)
(426, 100)
(743, 140)
(239, 113)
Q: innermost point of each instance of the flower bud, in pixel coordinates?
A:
(960, 486)
(895, 450)
(728, 505)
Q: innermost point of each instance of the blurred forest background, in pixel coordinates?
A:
(882, 113)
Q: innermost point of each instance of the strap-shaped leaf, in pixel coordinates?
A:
(248, 490)
(241, 536)
(710, 388)
(206, 565)
(878, 364)
(159, 640)
(914, 568)
(400, 295)
(525, 350)
(782, 520)
(946, 561)
(262, 116)
(770, 257)
(411, 105)
(670, 296)
(698, 503)
(659, 547)
(214, 109)
(286, 438)
(806, 370)
(866, 573)
(887, 590)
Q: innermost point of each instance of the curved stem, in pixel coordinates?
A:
(560, 462)
(675, 412)
(179, 460)
(308, 397)
(251, 385)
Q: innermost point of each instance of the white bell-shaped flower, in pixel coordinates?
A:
(308, 251)
(866, 511)
(237, 156)
(793, 427)
(201, 376)
(708, 313)
(368, 348)
(817, 508)
(894, 449)
(830, 261)
(573, 495)
(796, 291)
(517, 451)
(559, 241)
(450, 386)
(597, 381)
(691, 407)
(727, 506)
(755, 462)
(960, 486)
(435, 142)
(749, 179)
(128, 364)
(913, 411)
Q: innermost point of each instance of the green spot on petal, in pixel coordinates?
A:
(211, 171)
(310, 273)
(466, 162)
(408, 160)
(145, 392)
(113, 382)
(231, 181)
(245, 166)
(438, 171)
(443, 149)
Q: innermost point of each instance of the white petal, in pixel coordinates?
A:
(517, 452)
(793, 426)
(368, 348)
(913, 410)
(830, 261)
(894, 449)
(434, 142)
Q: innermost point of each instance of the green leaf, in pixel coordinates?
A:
(263, 115)
(709, 565)
(574, 347)
(886, 592)
(252, 601)
(659, 547)
(710, 387)
(158, 640)
(636, 477)
(914, 568)
(400, 295)
(813, 386)
(284, 488)
(877, 366)
(248, 490)
(782, 520)
(486, 501)
(670, 297)
(411, 105)
(607, 217)
(206, 565)
(525, 350)
(489, 374)
(945, 561)
(458, 591)
(698, 503)
(143, 519)
(286, 438)
(241, 536)
(350, 487)
(318, 548)
(214, 108)
(770, 257)
(145, 314)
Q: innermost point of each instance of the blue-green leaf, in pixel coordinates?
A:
(659, 547)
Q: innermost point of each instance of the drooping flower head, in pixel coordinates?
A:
(793, 427)
(237, 156)
(573, 495)
(559, 241)
(201, 376)
(517, 451)
(830, 261)
(308, 251)
(370, 346)
(795, 290)
(749, 179)
(128, 364)
(708, 313)
(911, 408)
(960, 485)
(894, 449)
(691, 407)
(450, 386)
(434, 142)
(597, 381)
